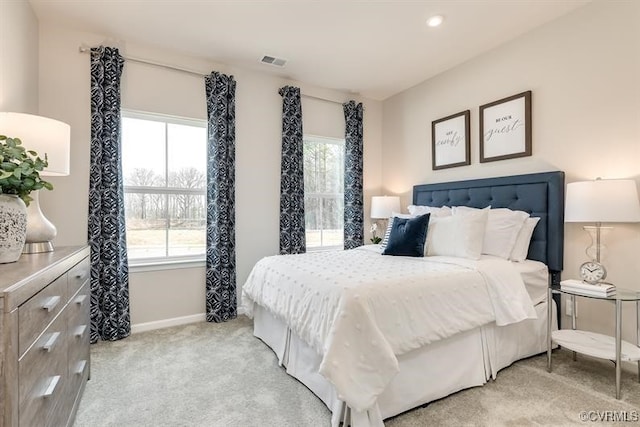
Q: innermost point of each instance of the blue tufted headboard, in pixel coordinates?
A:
(539, 194)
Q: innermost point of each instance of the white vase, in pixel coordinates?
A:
(13, 227)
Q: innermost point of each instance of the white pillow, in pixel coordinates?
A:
(503, 226)
(440, 237)
(458, 209)
(521, 247)
(433, 210)
(460, 235)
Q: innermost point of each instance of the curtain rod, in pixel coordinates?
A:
(84, 49)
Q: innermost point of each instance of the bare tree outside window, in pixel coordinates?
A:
(324, 191)
(164, 164)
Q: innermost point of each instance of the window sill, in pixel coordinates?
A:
(141, 266)
(325, 249)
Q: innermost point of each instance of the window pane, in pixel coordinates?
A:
(313, 217)
(187, 225)
(168, 155)
(334, 158)
(311, 166)
(143, 152)
(146, 225)
(332, 213)
(323, 186)
(187, 153)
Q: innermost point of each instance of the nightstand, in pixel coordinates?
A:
(591, 343)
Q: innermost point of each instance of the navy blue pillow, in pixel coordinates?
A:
(407, 236)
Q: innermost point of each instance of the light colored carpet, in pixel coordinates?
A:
(210, 375)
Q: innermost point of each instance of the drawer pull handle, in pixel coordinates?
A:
(51, 342)
(80, 367)
(51, 303)
(51, 388)
(80, 331)
(80, 299)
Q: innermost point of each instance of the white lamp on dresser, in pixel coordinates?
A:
(44, 136)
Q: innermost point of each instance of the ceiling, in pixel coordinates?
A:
(372, 48)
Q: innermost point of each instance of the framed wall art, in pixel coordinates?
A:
(450, 142)
(505, 128)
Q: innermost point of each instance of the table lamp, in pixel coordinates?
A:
(382, 207)
(600, 201)
(44, 136)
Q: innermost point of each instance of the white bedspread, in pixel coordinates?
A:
(360, 309)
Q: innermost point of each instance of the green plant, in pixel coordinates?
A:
(20, 169)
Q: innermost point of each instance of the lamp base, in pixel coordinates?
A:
(40, 231)
(597, 250)
(37, 247)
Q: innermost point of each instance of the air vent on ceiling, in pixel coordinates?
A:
(276, 62)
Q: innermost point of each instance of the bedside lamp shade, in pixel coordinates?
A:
(598, 201)
(602, 200)
(44, 136)
(383, 206)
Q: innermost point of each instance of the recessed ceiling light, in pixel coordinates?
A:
(435, 20)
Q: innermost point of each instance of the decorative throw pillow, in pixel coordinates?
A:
(521, 247)
(407, 236)
(387, 232)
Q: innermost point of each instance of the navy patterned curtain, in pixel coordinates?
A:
(292, 229)
(221, 304)
(353, 197)
(109, 265)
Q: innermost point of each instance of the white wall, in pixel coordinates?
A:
(64, 94)
(18, 57)
(583, 71)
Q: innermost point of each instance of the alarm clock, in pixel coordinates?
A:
(592, 272)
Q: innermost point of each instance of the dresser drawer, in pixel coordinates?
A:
(43, 374)
(78, 275)
(35, 314)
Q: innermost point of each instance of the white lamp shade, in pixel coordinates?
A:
(383, 206)
(42, 135)
(602, 200)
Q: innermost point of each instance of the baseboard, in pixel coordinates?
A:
(175, 321)
(167, 323)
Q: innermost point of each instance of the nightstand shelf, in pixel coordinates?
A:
(593, 344)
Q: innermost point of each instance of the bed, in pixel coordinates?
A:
(371, 338)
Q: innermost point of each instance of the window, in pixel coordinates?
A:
(164, 171)
(324, 192)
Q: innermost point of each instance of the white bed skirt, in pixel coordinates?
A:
(431, 372)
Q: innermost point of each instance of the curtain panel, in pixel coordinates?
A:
(221, 300)
(292, 225)
(353, 193)
(110, 318)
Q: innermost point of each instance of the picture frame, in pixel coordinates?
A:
(450, 141)
(505, 128)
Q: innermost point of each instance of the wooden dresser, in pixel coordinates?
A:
(44, 336)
